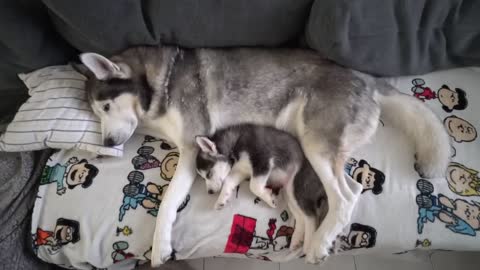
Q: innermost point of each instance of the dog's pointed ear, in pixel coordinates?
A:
(206, 145)
(99, 65)
(103, 68)
(82, 69)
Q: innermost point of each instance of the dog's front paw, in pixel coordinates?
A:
(317, 254)
(164, 252)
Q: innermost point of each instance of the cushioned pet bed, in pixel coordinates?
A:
(108, 220)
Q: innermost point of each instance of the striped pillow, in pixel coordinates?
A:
(57, 115)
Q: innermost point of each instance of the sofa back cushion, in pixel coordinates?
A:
(396, 37)
(111, 26)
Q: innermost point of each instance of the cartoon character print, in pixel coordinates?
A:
(459, 129)
(125, 231)
(455, 99)
(148, 196)
(71, 174)
(359, 236)
(458, 215)
(452, 99)
(454, 151)
(243, 237)
(421, 91)
(119, 252)
(65, 231)
(425, 243)
(169, 165)
(369, 177)
(145, 161)
(135, 193)
(276, 240)
(462, 180)
(164, 145)
(147, 255)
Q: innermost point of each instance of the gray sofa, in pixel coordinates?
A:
(382, 37)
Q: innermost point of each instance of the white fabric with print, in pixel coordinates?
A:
(397, 211)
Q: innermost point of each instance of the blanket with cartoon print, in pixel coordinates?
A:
(93, 213)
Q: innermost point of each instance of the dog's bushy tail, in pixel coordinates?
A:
(421, 125)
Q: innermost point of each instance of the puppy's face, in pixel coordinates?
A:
(211, 165)
(214, 170)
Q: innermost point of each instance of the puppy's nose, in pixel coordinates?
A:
(109, 142)
(210, 191)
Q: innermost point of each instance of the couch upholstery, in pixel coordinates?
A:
(383, 37)
(27, 41)
(396, 37)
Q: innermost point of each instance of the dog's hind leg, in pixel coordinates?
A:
(310, 228)
(177, 191)
(299, 232)
(340, 203)
(298, 236)
(327, 158)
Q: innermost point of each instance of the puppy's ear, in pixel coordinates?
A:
(206, 145)
(103, 68)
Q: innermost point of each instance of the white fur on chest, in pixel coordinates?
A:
(169, 124)
(244, 165)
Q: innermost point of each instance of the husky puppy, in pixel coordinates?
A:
(264, 154)
(267, 156)
(331, 110)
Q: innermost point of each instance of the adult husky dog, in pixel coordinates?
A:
(331, 110)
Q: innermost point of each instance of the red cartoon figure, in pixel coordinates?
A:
(421, 91)
(243, 237)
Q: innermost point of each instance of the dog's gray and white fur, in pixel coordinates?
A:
(268, 156)
(330, 109)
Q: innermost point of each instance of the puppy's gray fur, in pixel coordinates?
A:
(330, 109)
(267, 156)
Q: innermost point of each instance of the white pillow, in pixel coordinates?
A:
(57, 115)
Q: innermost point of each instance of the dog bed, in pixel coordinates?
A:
(100, 212)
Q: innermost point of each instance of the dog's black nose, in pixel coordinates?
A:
(109, 142)
(210, 191)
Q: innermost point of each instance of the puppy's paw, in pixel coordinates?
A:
(274, 201)
(219, 205)
(271, 199)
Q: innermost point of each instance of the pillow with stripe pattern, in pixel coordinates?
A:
(57, 115)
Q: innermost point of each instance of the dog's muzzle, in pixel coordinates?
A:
(109, 142)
